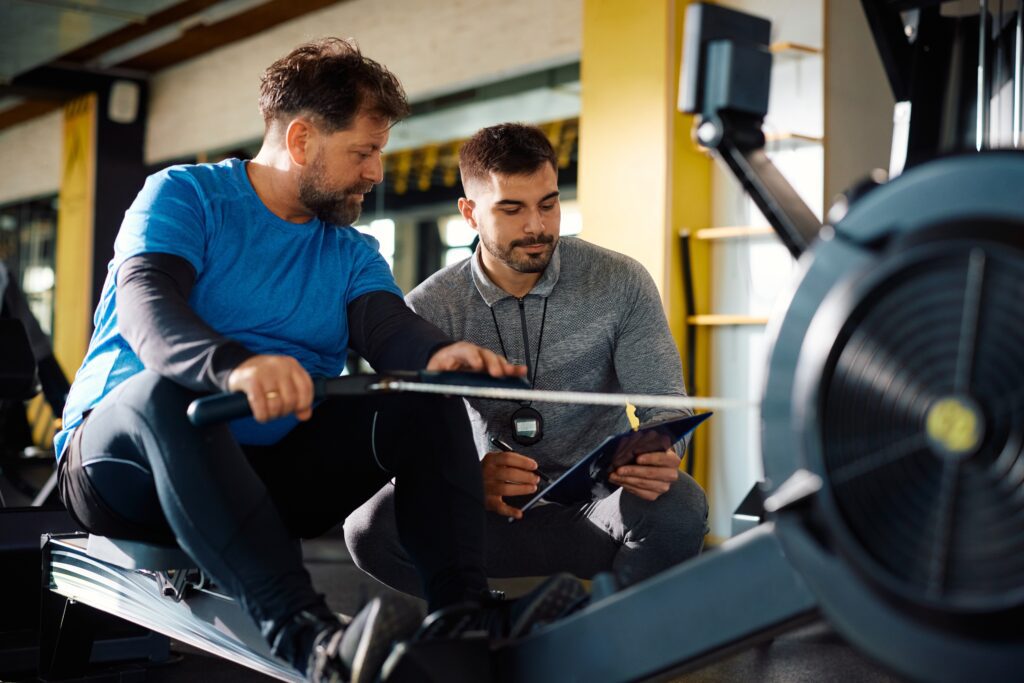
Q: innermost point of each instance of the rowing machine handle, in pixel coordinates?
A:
(231, 406)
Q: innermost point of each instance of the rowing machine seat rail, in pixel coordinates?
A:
(155, 586)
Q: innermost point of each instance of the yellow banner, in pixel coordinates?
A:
(76, 209)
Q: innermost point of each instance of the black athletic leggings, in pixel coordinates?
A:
(138, 469)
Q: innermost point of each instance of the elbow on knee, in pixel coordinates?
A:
(359, 541)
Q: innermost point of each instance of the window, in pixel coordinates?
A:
(384, 232)
(458, 239)
(28, 241)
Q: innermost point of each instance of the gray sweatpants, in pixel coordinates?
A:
(631, 537)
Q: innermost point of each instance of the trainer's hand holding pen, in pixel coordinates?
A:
(507, 473)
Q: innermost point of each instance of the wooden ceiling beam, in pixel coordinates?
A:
(192, 43)
(204, 38)
(26, 111)
(129, 33)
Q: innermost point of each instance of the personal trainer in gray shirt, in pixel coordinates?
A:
(581, 318)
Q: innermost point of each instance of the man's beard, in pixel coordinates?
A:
(335, 207)
(523, 262)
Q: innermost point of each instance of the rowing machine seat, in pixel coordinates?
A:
(138, 555)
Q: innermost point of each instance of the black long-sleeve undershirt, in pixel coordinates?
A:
(389, 335)
(171, 339)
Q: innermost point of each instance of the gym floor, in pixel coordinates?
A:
(812, 653)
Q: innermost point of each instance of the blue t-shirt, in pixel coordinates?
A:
(274, 286)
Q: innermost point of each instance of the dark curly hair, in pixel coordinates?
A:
(331, 81)
(508, 149)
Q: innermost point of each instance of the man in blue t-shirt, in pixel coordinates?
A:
(248, 277)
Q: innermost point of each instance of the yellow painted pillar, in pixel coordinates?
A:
(77, 198)
(641, 179)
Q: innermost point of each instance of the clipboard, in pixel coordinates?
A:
(588, 479)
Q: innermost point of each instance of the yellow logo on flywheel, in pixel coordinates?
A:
(954, 425)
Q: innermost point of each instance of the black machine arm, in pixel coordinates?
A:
(793, 221)
(727, 73)
(894, 48)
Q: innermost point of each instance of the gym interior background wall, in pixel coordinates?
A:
(30, 156)
(829, 123)
(859, 103)
(748, 272)
(209, 103)
(435, 47)
(641, 177)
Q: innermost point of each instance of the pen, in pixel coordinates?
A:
(503, 446)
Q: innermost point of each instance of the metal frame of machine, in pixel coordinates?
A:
(153, 586)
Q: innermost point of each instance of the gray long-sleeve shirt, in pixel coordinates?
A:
(604, 330)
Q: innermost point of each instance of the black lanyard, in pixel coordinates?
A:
(527, 423)
(526, 340)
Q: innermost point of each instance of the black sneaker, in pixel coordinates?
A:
(356, 652)
(505, 619)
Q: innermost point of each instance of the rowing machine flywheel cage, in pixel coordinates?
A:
(896, 382)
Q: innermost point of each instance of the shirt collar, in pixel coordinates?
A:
(492, 293)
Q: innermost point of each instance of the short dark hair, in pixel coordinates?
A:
(330, 80)
(508, 149)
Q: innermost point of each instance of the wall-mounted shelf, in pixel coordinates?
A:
(724, 320)
(733, 232)
(790, 140)
(788, 49)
